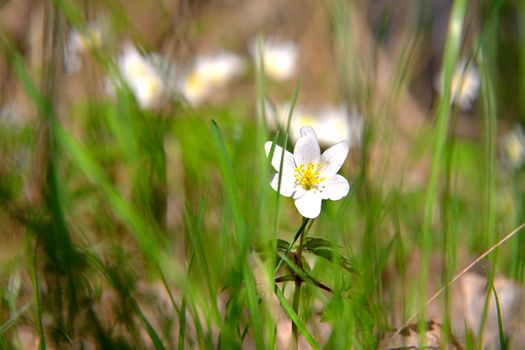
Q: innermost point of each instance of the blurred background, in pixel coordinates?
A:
(130, 220)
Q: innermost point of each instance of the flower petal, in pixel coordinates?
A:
(288, 187)
(298, 192)
(309, 205)
(307, 147)
(335, 188)
(288, 163)
(333, 158)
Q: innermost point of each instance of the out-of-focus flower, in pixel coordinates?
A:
(279, 58)
(208, 74)
(465, 84)
(80, 41)
(14, 123)
(144, 76)
(514, 147)
(332, 124)
(307, 175)
(13, 117)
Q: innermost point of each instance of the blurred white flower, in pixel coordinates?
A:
(14, 121)
(80, 41)
(279, 58)
(277, 117)
(208, 74)
(13, 117)
(465, 84)
(145, 78)
(332, 124)
(307, 175)
(514, 147)
(335, 124)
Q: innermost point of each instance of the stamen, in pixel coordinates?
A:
(307, 176)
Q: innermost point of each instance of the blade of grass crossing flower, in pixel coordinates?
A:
(283, 145)
(295, 319)
(262, 136)
(451, 54)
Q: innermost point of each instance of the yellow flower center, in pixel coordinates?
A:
(195, 84)
(307, 176)
(90, 39)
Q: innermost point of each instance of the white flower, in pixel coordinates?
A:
(81, 41)
(277, 117)
(208, 74)
(279, 59)
(514, 147)
(465, 84)
(145, 80)
(309, 176)
(334, 124)
(331, 123)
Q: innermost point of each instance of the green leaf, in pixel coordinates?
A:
(313, 242)
(319, 247)
(282, 245)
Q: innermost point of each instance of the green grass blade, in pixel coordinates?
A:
(37, 299)
(13, 318)
(231, 190)
(295, 319)
(502, 340)
(451, 53)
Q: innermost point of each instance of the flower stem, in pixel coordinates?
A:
(297, 235)
(298, 282)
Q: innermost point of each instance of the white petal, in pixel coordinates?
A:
(307, 148)
(288, 164)
(333, 158)
(288, 187)
(298, 192)
(335, 188)
(309, 205)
